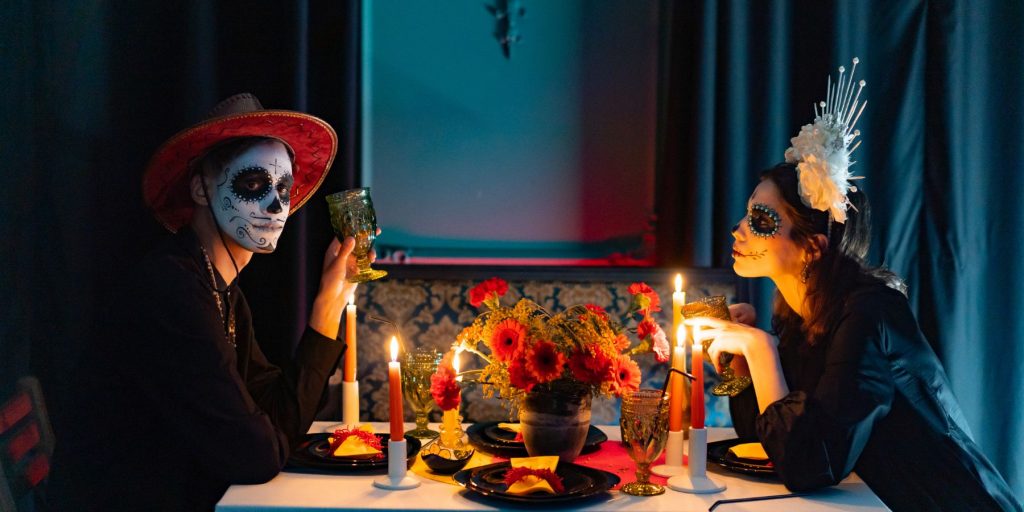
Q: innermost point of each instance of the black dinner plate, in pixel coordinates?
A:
(718, 452)
(487, 436)
(314, 453)
(580, 483)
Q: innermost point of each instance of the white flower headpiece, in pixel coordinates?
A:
(822, 149)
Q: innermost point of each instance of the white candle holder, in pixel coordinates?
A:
(696, 481)
(396, 479)
(673, 456)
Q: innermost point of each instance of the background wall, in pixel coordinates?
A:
(547, 154)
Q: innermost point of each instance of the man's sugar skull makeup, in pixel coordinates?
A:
(251, 196)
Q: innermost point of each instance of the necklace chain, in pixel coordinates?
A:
(229, 322)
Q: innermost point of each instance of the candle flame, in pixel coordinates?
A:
(455, 364)
(394, 349)
(680, 335)
(679, 282)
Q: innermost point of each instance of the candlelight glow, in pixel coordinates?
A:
(696, 338)
(679, 282)
(455, 364)
(394, 349)
(680, 335)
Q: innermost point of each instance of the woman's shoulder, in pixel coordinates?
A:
(873, 293)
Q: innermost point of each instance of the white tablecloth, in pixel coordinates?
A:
(305, 492)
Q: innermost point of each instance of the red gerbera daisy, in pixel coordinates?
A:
(597, 310)
(519, 376)
(627, 375)
(590, 366)
(544, 361)
(508, 338)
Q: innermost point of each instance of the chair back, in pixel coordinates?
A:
(26, 444)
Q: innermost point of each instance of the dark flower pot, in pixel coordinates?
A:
(555, 420)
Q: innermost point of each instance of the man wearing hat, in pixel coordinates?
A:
(177, 401)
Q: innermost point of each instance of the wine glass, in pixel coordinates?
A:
(352, 215)
(419, 365)
(715, 306)
(644, 424)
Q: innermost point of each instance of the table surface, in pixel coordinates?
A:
(304, 491)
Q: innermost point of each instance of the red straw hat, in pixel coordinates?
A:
(165, 184)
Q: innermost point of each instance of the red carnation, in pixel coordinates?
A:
(519, 376)
(545, 362)
(493, 288)
(646, 328)
(444, 388)
(590, 366)
(645, 297)
(627, 375)
(508, 339)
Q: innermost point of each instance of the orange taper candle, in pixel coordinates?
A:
(697, 393)
(349, 369)
(395, 394)
(675, 397)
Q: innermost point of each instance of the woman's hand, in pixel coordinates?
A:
(758, 348)
(731, 337)
(743, 313)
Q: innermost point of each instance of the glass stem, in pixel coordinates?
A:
(421, 420)
(643, 472)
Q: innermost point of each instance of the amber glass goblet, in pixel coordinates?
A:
(352, 215)
(715, 306)
(419, 365)
(644, 424)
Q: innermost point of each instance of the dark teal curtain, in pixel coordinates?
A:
(942, 132)
(90, 89)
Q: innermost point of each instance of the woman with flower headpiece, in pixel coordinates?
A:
(846, 381)
(176, 401)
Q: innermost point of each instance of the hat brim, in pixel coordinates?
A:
(165, 186)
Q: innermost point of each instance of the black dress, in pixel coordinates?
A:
(873, 398)
(167, 414)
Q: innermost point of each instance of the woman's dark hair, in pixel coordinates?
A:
(841, 265)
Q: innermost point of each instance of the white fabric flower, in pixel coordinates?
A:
(822, 168)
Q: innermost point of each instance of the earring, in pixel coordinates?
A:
(805, 274)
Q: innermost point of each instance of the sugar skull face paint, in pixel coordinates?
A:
(763, 246)
(253, 196)
(763, 220)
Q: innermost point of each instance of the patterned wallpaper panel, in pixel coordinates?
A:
(431, 312)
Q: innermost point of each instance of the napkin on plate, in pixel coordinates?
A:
(531, 483)
(356, 443)
(750, 451)
(514, 427)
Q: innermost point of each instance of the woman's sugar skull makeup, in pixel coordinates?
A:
(252, 196)
(763, 246)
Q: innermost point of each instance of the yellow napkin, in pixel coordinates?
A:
(352, 446)
(420, 468)
(530, 484)
(514, 427)
(750, 451)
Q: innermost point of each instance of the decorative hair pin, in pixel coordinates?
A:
(822, 149)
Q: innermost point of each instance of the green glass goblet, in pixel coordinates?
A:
(715, 306)
(352, 215)
(419, 365)
(644, 424)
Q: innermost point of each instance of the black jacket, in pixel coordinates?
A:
(168, 414)
(873, 398)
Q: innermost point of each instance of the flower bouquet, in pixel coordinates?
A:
(525, 346)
